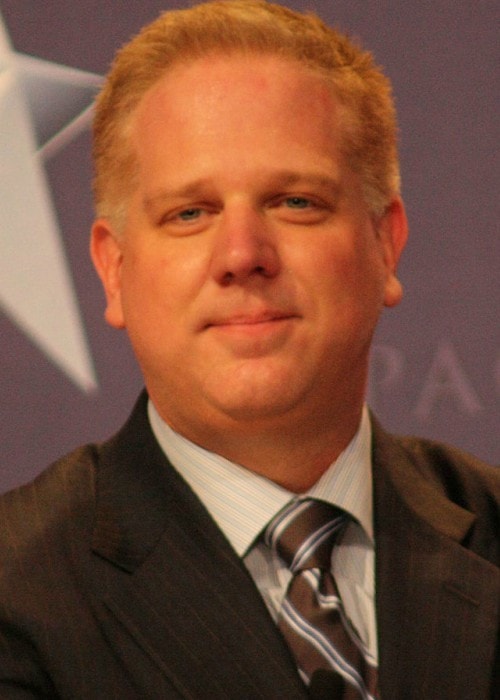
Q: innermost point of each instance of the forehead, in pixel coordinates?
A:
(238, 125)
(235, 114)
(227, 84)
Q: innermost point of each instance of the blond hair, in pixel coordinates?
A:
(249, 26)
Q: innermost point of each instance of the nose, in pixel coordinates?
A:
(244, 248)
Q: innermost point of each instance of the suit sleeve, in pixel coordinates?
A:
(21, 677)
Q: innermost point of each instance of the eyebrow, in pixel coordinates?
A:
(289, 177)
(151, 202)
(281, 178)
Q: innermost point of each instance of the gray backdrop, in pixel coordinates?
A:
(436, 360)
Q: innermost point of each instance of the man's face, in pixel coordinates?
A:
(250, 274)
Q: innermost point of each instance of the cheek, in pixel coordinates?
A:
(142, 292)
(350, 279)
(159, 286)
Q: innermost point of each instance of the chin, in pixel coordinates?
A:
(258, 404)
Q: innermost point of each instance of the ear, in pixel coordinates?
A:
(392, 230)
(107, 256)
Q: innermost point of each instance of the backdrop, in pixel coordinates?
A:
(66, 378)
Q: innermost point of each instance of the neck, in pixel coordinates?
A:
(294, 456)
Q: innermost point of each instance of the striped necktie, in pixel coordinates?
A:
(327, 650)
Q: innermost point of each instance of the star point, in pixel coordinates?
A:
(42, 107)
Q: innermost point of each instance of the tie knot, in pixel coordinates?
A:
(304, 532)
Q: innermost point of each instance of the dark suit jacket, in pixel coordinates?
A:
(116, 583)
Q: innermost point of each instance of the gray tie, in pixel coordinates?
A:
(326, 648)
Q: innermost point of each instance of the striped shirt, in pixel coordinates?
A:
(242, 503)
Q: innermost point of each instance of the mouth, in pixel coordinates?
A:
(252, 334)
(250, 321)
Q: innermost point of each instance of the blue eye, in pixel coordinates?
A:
(189, 214)
(297, 202)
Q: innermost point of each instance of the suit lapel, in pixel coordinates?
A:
(178, 600)
(436, 600)
(178, 588)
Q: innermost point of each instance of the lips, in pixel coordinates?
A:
(250, 319)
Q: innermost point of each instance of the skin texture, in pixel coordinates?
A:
(250, 274)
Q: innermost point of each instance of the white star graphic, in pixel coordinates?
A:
(42, 107)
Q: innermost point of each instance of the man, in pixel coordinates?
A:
(248, 233)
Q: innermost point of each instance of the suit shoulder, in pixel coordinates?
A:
(463, 477)
(42, 509)
(443, 486)
(464, 480)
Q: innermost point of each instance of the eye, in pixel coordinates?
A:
(179, 217)
(301, 209)
(187, 220)
(190, 214)
(297, 202)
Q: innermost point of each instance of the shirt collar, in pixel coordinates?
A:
(242, 502)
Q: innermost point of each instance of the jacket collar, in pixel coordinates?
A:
(150, 526)
(436, 601)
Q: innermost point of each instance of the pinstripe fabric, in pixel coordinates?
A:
(108, 562)
(242, 503)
